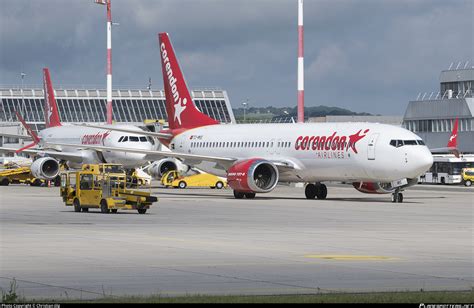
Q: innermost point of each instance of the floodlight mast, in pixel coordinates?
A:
(109, 58)
(300, 63)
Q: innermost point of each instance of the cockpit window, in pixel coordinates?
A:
(143, 139)
(121, 138)
(125, 139)
(399, 143)
(134, 139)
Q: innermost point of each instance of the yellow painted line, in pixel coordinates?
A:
(351, 257)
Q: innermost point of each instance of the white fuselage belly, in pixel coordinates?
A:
(75, 135)
(314, 161)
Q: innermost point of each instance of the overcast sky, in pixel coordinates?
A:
(364, 55)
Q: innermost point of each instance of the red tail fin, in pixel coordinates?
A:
(453, 140)
(182, 113)
(51, 115)
(30, 131)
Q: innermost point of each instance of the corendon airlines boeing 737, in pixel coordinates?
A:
(47, 166)
(376, 158)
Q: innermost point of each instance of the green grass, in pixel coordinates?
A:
(385, 297)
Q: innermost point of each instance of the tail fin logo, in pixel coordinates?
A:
(179, 104)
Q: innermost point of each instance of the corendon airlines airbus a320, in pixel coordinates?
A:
(376, 158)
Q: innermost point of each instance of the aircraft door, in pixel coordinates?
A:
(371, 147)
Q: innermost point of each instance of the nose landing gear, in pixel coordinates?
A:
(397, 197)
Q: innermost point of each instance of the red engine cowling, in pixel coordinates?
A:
(380, 188)
(253, 176)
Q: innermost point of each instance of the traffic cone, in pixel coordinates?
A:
(49, 183)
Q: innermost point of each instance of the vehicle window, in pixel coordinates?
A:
(134, 139)
(410, 142)
(421, 142)
(86, 182)
(469, 173)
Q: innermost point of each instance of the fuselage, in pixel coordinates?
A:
(319, 151)
(79, 135)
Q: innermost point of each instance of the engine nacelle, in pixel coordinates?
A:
(380, 188)
(253, 176)
(162, 166)
(45, 168)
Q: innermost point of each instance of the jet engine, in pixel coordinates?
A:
(381, 188)
(160, 167)
(253, 176)
(46, 168)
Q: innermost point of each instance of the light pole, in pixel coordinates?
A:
(245, 104)
(22, 96)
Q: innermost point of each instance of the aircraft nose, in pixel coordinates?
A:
(424, 161)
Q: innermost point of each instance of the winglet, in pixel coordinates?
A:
(182, 113)
(453, 140)
(31, 133)
(51, 115)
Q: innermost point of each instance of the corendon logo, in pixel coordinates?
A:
(95, 139)
(330, 143)
(179, 105)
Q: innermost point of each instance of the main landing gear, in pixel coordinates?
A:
(241, 195)
(397, 197)
(317, 190)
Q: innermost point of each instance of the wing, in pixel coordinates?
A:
(190, 159)
(130, 131)
(74, 157)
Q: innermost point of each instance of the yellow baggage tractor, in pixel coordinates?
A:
(102, 186)
(21, 175)
(175, 179)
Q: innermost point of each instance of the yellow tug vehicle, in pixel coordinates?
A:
(21, 175)
(102, 186)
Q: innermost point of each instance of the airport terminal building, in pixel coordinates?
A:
(131, 106)
(432, 115)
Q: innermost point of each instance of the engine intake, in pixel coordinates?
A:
(253, 176)
(45, 168)
(161, 167)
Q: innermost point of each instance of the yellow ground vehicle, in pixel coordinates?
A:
(468, 176)
(102, 186)
(174, 179)
(20, 175)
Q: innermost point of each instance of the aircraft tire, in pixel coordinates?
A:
(322, 192)
(310, 191)
(250, 195)
(141, 211)
(238, 194)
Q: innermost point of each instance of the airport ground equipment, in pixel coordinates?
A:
(21, 175)
(102, 186)
(468, 176)
(175, 179)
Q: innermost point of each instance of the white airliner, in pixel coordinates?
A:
(376, 158)
(46, 166)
